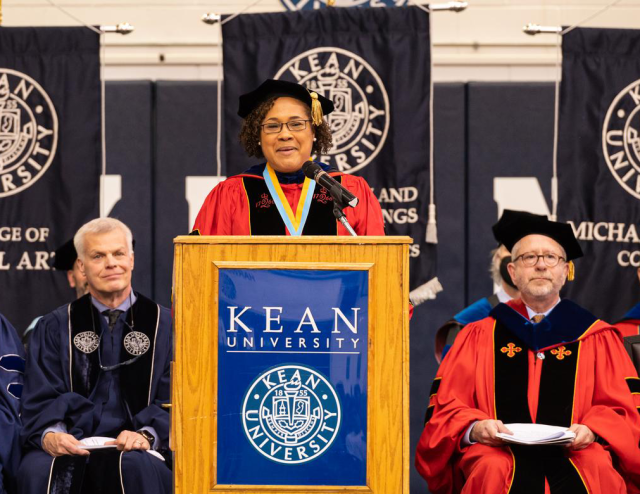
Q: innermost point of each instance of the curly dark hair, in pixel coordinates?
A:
(250, 131)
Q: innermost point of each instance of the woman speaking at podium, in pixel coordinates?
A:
(283, 123)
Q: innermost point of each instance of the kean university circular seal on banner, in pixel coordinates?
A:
(621, 138)
(291, 414)
(320, 4)
(360, 121)
(28, 132)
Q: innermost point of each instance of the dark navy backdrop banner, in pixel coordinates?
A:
(450, 130)
(129, 158)
(184, 167)
(599, 164)
(380, 124)
(322, 4)
(297, 412)
(509, 165)
(49, 159)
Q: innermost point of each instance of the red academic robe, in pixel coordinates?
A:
(479, 380)
(226, 209)
(628, 327)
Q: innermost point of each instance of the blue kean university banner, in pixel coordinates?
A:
(49, 159)
(599, 165)
(374, 63)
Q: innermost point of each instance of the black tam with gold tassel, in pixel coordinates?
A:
(272, 88)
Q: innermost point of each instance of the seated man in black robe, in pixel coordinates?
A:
(96, 368)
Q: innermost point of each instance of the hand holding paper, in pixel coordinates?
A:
(97, 442)
(584, 436)
(488, 432)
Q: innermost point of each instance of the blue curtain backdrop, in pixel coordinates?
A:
(374, 63)
(599, 164)
(49, 159)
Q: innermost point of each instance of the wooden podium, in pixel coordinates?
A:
(219, 285)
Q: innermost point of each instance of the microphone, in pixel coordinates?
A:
(338, 192)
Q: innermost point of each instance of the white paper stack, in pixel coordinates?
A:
(536, 434)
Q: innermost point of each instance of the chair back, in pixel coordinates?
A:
(632, 344)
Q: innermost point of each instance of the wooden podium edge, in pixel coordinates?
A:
(290, 489)
(406, 369)
(283, 239)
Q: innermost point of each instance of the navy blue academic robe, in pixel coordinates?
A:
(65, 383)
(11, 370)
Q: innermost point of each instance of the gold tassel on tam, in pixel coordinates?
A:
(572, 271)
(316, 109)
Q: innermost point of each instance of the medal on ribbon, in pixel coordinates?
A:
(294, 223)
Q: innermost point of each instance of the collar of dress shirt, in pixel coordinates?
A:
(124, 306)
(531, 312)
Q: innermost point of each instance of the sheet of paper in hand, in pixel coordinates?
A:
(98, 442)
(536, 434)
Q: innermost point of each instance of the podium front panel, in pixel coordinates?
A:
(294, 344)
(291, 365)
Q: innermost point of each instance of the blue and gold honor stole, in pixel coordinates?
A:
(557, 339)
(294, 223)
(269, 210)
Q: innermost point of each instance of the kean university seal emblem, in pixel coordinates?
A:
(621, 138)
(87, 341)
(291, 414)
(136, 343)
(360, 121)
(28, 132)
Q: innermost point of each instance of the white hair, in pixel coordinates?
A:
(494, 267)
(98, 226)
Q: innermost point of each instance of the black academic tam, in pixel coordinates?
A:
(515, 225)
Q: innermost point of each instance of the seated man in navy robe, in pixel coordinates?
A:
(11, 370)
(99, 367)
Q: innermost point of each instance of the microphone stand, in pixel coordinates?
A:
(338, 206)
